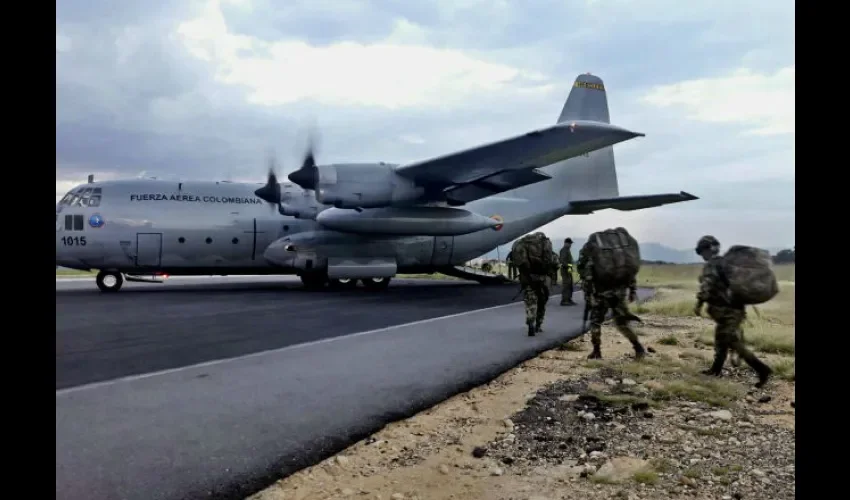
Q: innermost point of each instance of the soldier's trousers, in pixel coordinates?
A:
(728, 335)
(511, 271)
(535, 295)
(599, 308)
(567, 281)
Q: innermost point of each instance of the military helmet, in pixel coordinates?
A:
(705, 242)
(568, 240)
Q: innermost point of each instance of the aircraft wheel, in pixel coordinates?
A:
(313, 281)
(343, 283)
(109, 281)
(376, 283)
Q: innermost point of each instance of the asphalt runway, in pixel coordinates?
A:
(214, 388)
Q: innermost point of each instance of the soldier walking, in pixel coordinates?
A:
(537, 264)
(606, 277)
(566, 260)
(728, 314)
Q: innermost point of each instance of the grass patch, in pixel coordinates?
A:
(668, 379)
(668, 340)
(699, 388)
(646, 477)
(73, 272)
(720, 471)
(785, 369)
(692, 473)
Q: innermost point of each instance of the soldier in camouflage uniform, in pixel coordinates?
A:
(602, 300)
(728, 317)
(509, 260)
(535, 287)
(566, 260)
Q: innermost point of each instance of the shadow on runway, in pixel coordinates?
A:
(395, 287)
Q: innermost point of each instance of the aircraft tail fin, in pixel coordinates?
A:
(587, 101)
(593, 175)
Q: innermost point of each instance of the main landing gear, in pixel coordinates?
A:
(109, 281)
(315, 282)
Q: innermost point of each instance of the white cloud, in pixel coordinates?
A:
(764, 103)
(392, 74)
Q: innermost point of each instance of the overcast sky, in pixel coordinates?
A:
(203, 90)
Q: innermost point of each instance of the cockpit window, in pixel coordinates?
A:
(82, 197)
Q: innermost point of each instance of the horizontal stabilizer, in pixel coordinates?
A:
(628, 203)
(495, 184)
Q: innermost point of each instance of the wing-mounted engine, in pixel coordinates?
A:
(299, 203)
(357, 185)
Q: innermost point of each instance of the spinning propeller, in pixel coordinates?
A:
(305, 177)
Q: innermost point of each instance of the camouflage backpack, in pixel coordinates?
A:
(614, 256)
(533, 252)
(748, 272)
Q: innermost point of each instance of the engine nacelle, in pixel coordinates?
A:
(301, 205)
(369, 185)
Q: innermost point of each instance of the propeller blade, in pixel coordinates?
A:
(271, 191)
(308, 175)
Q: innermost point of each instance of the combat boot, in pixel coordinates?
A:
(596, 353)
(640, 352)
(538, 326)
(532, 331)
(764, 372)
(716, 368)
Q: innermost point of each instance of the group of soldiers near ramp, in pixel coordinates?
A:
(608, 266)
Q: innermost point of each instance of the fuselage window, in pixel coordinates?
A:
(209, 240)
(69, 223)
(181, 240)
(78, 223)
(235, 240)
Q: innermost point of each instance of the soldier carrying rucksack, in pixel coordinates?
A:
(608, 265)
(537, 264)
(743, 276)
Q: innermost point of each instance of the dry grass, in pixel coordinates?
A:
(770, 327)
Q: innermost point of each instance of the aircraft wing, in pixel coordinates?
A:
(628, 203)
(509, 163)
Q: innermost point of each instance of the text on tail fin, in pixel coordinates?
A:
(587, 101)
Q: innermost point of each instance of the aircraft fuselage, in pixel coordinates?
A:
(185, 228)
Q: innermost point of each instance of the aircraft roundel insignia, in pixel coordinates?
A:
(500, 219)
(96, 220)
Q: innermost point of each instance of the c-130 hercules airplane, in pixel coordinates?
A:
(345, 223)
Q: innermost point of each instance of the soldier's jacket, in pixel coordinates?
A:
(565, 257)
(712, 289)
(585, 270)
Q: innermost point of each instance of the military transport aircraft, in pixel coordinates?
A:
(339, 224)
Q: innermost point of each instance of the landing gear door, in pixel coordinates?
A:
(443, 246)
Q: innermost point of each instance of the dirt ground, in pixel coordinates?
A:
(562, 427)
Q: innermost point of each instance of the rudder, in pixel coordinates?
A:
(587, 101)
